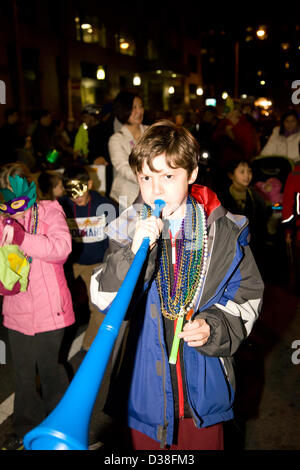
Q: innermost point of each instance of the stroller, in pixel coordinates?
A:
(271, 166)
(269, 176)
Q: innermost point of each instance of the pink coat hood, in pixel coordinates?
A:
(47, 304)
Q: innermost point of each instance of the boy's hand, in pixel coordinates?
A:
(195, 333)
(150, 227)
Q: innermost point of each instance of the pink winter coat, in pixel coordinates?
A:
(47, 304)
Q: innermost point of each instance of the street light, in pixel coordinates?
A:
(261, 33)
(86, 26)
(137, 80)
(100, 73)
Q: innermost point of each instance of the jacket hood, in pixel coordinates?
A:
(210, 201)
(206, 197)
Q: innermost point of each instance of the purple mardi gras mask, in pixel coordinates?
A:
(18, 204)
(22, 196)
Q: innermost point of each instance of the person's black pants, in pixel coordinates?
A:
(32, 354)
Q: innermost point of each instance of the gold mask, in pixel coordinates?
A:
(76, 188)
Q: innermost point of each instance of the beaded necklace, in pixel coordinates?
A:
(33, 224)
(179, 299)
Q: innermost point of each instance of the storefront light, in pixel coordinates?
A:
(263, 103)
(137, 80)
(261, 32)
(124, 44)
(100, 73)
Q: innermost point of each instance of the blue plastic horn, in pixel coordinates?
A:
(67, 427)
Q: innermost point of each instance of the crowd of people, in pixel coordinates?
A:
(51, 213)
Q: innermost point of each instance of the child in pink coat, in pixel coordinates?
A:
(35, 318)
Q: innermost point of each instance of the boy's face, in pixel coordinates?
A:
(169, 184)
(242, 176)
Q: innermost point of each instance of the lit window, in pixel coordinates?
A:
(285, 46)
(125, 45)
(90, 30)
(100, 73)
(137, 80)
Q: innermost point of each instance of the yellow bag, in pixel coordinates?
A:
(14, 267)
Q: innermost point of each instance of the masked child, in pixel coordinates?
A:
(86, 212)
(37, 317)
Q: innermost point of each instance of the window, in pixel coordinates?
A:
(192, 90)
(90, 30)
(91, 89)
(124, 44)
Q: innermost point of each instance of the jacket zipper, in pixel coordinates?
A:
(178, 366)
(163, 439)
(179, 382)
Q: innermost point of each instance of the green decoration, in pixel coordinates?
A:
(14, 267)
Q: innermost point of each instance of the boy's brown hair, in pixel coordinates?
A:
(164, 137)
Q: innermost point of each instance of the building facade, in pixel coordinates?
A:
(63, 55)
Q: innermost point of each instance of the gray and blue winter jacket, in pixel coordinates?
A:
(230, 302)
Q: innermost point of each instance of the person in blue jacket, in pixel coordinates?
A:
(87, 213)
(200, 285)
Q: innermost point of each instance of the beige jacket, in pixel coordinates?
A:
(124, 184)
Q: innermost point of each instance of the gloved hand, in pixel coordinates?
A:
(15, 289)
(19, 232)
